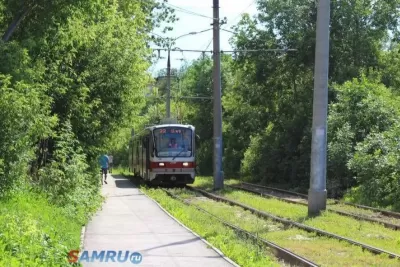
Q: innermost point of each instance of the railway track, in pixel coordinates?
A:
(279, 252)
(293, 197)
(384, 212)
(295, 224)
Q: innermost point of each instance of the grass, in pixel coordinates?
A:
(238, 248)
(34, 232)
(243, 251)
(366, 232)
(364, 212)
(324, 251)
(331, 203)
(121, 171)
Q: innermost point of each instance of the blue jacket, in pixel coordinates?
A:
(103, 161)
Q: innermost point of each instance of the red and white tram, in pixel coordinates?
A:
(164, 154)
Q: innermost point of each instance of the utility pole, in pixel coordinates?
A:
(317, 193)
(218, 147)
(170, 44)
(168, 105)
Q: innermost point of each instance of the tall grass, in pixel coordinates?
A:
(34, 232)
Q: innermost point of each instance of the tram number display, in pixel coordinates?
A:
(173, 131)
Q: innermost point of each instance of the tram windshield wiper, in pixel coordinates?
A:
(183, 149)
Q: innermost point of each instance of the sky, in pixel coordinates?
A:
(231, 9)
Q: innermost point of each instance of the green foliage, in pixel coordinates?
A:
(24, 118)
(97, 72)
(78, 61)
(197, 81)
(363, 106)
(66, 179)
(267, 97)
(72, 75)
(389, 67)
(272, 89)
(35, 233)
(376, 164)
(255, 162)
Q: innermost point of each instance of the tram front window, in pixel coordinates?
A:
(173, 142)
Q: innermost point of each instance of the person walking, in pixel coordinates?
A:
(104, 161)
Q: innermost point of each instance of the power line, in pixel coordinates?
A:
(170, 43)
(183, 97)
(157, 34)
(174, 39)
(209, 44)
(187, 11)
(228, 31)
(241, 13)
(228, 51)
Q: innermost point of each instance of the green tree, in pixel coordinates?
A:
(24, 119)
(276, 90)
(376, 164)
(363, 106)
(197, 82)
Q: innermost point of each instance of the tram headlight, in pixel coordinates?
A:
(185, 164)
(161, 164)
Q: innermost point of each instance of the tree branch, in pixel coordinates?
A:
(14, 24)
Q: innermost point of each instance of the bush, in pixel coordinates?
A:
(67, 180)
(260, 158)
(363, 106)
(23, 120)
(377, 167)
(204, 157)
(35, 233)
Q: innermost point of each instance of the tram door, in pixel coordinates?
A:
(145, 156)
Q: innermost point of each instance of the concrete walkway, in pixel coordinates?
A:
(130, 221)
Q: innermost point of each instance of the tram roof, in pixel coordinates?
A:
(152, 127)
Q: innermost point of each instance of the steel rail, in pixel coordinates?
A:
(352, 215)
(281, 253)
(278, 189)
(298, 225)
(385, 212)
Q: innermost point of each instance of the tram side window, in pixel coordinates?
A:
(145, 141)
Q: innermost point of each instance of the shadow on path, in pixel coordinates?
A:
(124, 183)
(129, 195)
(180, 243)
(117, 177)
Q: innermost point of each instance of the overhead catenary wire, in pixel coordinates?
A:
(241, 13)
(188, 11)
(183, 97)
(229, 51)
(201, 15)
(209, 44)
(171, 42)
(174, 39)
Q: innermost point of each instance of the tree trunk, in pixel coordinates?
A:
(14, 24)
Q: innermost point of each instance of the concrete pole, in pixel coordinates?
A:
(168, 105)
(317, 193)
(218, 174)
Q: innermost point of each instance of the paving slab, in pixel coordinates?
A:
(130, 222)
